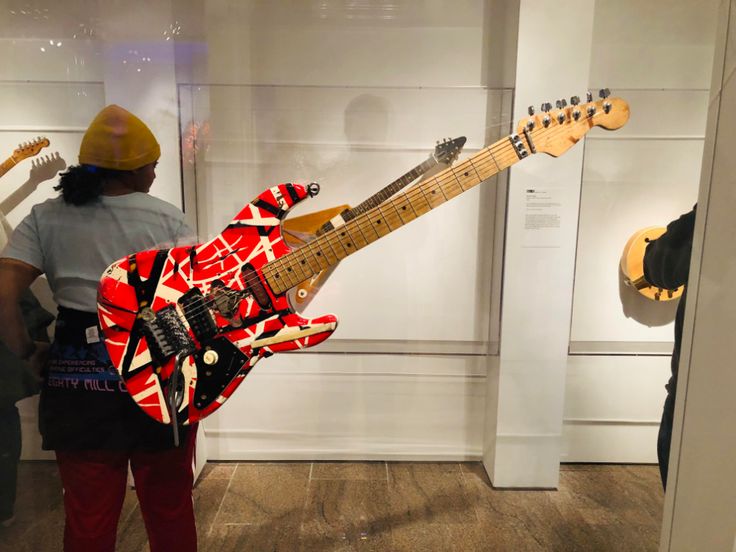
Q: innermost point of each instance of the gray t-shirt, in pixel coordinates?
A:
(73, 245)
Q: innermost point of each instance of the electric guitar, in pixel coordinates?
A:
(185, 326)
(298, 231)
(23, 151)
(632, 265)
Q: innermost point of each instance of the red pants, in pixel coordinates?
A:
(94, 489)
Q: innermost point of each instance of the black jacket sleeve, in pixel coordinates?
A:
(667, 259)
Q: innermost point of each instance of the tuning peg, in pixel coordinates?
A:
(589, 96)
(530, 110)
(546, 106)
(575, 100)
(561, 103)
(604, 93)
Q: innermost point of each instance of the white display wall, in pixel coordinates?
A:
(352, 96)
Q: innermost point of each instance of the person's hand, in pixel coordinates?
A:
(37, 361)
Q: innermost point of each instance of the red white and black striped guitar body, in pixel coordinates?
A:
(185, 326)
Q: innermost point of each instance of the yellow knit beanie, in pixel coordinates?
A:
(117, 139)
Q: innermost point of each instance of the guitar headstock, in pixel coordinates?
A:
(554, 131)
(29, 149)
(447, 151)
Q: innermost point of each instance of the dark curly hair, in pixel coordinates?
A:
(82, 184)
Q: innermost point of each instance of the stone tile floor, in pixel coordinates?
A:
(381, 506)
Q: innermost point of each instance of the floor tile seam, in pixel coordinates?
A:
(222, 501)
(306, 501)
(473, 499)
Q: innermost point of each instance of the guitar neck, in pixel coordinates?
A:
(396, 186)
(6, 165)
(331, 247)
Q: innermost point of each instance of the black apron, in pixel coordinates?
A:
(84, 404)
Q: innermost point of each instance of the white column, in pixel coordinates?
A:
(526, 383)
(700, 500)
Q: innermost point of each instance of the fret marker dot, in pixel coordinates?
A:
(319, 254)
(465, 174)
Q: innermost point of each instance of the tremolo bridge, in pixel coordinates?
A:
(217, 360)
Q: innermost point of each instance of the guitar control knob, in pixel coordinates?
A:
(313, 189)
(210, 357)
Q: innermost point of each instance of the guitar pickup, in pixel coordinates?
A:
(197, 312)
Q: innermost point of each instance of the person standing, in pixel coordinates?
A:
(104, 212)
(667, 265)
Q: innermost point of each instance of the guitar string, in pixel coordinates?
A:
(442, 181)
(489, 161)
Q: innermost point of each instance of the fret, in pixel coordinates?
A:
(475, 170)
(279, 271)
(419, 201)
(308, 261)
(378, 223)
(346, 240)
(291, 274)
(466, 176)
(331, 243)
(324, 251)
(404, 197)
(450, 186)
(402, 216)
(392, 221)
(488, 150)
(317, 255)
(432, 196)
(362, 234)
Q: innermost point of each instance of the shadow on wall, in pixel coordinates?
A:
(42, 169)
(643, 310)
